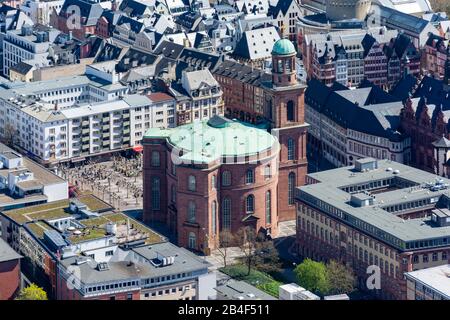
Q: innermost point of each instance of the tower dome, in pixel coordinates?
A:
(283, 47)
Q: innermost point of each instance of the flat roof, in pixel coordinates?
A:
(209, 140)
(330, 191)
(53, 210)
(437, 278)
(241, 290)
(185, 261)
(7, 253)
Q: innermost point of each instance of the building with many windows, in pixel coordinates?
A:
(74, 118)
(209, 176)
(346, 125)
(429, 284)
(376, 213)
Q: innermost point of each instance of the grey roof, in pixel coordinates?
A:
(185, 261)
(368, 110)
(240, 290)
(243, 73)
(443, 142)
(380, 223)
(436, 278)
(7, 253)
(89, 272)
(257, 44)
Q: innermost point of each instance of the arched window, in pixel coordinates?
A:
(174, 193)
(226, 178)
(192, 183)
(226, 213)
(156, 193)
(155, 159)
(267, 172)
(291, 186)
(268, 207)
(291, 149)
(290, 111)
(214, 182)
(250, 176)
(214, 217)
(192, 244)
(250, 204)
(191, 211)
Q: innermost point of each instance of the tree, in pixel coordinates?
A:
(224, 240)
(340, 278)
(33, 292)
(246, 239)
(312, 276)
(267, 258)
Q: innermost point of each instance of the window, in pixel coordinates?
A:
(192, 244)
(214, 182)
(290, 111)
(268, 207)
(174, 193)
(109, 253)
(291, 186)
(249, 176)
(129, 296)
(156, 185)
(214, 217)
(226, 213)
(155, 159)
(250, 204)
(291, 149)
(226, 178)
(267, 172)
(192, 184)
(191, 211)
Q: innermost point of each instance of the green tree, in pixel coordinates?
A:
(33, 292)
(340, 278)
(312, 276)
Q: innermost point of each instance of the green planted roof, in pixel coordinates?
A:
(206, 141)
(283, 47)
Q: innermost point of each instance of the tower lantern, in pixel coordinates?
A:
(283, 63)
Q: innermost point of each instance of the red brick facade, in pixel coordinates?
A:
(9, 279)
(225, 200)
(280, 101)
(424, 127)
(344, 244)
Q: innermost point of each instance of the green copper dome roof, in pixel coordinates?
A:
(283, 47)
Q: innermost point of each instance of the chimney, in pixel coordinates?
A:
(186, 42)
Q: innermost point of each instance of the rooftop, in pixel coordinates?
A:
(207, 141)
(53, 210)
(283, 47)
(436, 278)
(7, 253)
(241, 290)
(395, 189)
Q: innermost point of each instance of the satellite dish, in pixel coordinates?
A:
(227, 48)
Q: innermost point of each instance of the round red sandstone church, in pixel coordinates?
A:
(209, 176)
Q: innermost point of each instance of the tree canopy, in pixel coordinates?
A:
(33, 292)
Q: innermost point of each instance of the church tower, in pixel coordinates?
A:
(284, 106)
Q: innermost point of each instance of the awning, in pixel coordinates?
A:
(138, 148)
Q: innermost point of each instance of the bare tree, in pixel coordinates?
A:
(224, 241)
(9, 134)
(246, 239)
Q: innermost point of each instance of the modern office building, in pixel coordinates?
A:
(429, 284)
(376, 213)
